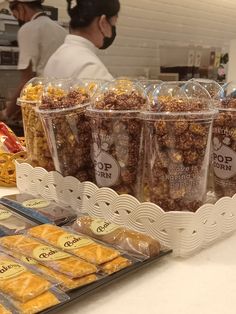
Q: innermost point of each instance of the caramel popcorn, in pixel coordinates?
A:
(224, 149)
(69, 132)
(177, 150)
(116, 135)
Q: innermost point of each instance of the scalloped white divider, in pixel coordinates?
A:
(184, 232)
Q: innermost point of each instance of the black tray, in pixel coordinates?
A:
(77, 294)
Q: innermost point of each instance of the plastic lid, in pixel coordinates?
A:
(170, 97)
(120, 95)
(228, 96)
(213, 88)
(60, 94)
(146, 83)
(32, 90)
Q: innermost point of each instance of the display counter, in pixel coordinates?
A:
(202, 284)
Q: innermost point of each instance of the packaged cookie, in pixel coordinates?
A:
(73, 243)
(116, 134)
(67, 129)
(65, 283)
(42, 302)
(177, 132)
(39, 209)
(11, 223)
(36, 143)
(49, 256)
(224, 143)
(120, 237)
(18, 282)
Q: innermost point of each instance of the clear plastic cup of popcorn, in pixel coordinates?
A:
(215, 91)
(224, 143)
(116, 135)
(36, 142)
(62, 111)
(177, 136)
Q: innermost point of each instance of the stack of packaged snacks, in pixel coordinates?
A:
(39, 209)
(177, 137)
(36, 143)
(23, 290)
(49, 256)
(12, 223)
(106, 258)
(116, 135)
(67, 128)
(224, 143)
(120, 237)
(65, 282)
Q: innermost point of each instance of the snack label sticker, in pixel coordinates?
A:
(10, 269)
(101, 227)
(72, 241)
(28, 260)
(36, 203)
(4, 214)
(107, 170)
(224, 162)
(47, 253)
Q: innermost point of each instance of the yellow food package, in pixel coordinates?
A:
(40, 303)
(19, 282)
(115, 265)
(76, 244)
(66, 283)
(49, 256)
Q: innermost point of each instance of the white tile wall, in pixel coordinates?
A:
(144, 25)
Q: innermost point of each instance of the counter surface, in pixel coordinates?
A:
(202, 284)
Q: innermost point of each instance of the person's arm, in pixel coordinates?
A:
(11, 106)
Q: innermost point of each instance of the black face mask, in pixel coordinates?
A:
(21, 23)
(107, 42)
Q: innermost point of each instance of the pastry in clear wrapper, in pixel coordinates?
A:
(123, 238)
(20, 283)
(116, 265)
(11, 223)
(76, 244)
(40, 209)
(66, 283)
(60, 261)
(38, 304)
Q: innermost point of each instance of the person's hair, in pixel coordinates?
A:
(85, 11)
(33, 5)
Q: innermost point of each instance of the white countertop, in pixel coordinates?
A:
(202, 284)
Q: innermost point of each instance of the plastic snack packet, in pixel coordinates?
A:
(60, 261)
(19, 282)
(123, 238)
(76, 244)
(9, 143)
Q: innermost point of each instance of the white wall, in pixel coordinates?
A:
(144, 25)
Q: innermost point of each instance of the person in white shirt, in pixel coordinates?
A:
(92, 26)
(38, 38)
